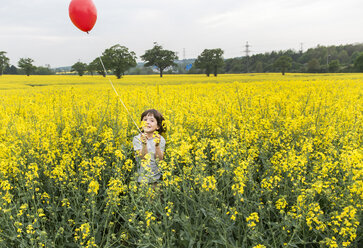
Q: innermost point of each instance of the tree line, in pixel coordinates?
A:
(120, 61)
(322, 59)
(25, 66)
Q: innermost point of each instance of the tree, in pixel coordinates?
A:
(119, 59)
(11, 70)
(358, 63)
(334, 66)
(324, 55)
(91, 68)
(159, 57)
(27, 65)
(354, 56)
(259, 67)
(41, 70)
(343, 57)
(80, 68)
(96, 65)
(4, 62)
(283, 63)
(314, 65)
(210, 60)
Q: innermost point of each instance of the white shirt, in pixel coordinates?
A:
(153, 172)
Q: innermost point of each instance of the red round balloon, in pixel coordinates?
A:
(83, 14)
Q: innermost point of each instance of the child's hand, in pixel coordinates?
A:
(143, 138)
(156, 136)
(143, 125)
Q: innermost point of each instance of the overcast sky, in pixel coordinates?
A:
(42, 30)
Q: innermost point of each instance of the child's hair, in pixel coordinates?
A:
(159, 118)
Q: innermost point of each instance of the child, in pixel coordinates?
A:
(150, 145)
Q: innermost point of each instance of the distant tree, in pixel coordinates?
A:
(26, 64)
(283, 63)
(11, 70)
(96, 65)
(217, 60)
(354, 56)
(259, 67)
(4, 62)
(91, 68)
(334, 66)
(343, 57)
(119, 59)
(141, 71)
(296, 67)
(313, 65)
(159, 57)
(358, 63)
(80, 68)
(203, 62)
(210, 60)
(41, 70)
(233, 65)
(300, 60)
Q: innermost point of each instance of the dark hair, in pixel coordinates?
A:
(159, 119)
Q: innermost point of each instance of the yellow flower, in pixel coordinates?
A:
(281, 204)
(149, 217)
(252, 220)
(93, 187)
(259, 246)
(295, 139)
(209, 183)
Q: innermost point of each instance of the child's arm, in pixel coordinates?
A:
(140, 146)
(159, 154)
(143, 150)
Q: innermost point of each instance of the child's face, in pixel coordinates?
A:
(150, 123)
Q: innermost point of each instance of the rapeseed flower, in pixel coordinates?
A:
(260, 146)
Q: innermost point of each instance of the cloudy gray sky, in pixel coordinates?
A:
(42, 30)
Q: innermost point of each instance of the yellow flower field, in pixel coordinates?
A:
(252, 160)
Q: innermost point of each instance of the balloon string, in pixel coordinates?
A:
(118, 95)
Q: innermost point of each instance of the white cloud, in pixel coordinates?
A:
(42, 30)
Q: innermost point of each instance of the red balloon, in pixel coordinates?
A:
(83, 14)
